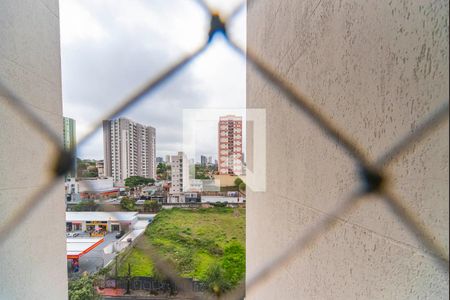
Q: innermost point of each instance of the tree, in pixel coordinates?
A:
(201, 172)
(128, 204)
(135, 181)
(88, 205)
(238, 181)
(85, 173)
(86, 168)
(83, 288)
(242, 186)
(162, 171)
(152, 206)
(162, 167)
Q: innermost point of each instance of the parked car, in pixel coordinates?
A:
(120, 234)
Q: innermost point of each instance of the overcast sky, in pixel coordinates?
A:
(110, 47)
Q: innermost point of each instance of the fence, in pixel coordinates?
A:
(151, 285)
(372, 174)
(201, 205)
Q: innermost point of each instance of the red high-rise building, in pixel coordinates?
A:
(230, 145)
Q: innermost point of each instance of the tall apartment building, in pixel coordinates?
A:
(99, 164)
(180, 177)
(230, 145)
(69, 141)
(203, 160)
(129, 149)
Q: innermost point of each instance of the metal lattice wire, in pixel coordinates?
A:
(373, 176)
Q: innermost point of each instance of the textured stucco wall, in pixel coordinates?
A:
(376, 68)
(32, 259)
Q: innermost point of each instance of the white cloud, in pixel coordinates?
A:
(78, 24)
(110, 47)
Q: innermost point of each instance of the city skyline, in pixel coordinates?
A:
(209, 156)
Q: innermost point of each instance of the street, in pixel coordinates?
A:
(94, 260)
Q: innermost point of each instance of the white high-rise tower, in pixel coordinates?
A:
(129, 149)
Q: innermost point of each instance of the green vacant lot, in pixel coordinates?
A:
(200, 243)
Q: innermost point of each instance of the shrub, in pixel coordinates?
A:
(83, 288)
(85, 205)
(152, 206)
(216, 281)
(128, 204)
(242, 186)
(104, 271)
(238, 181)
(233, 263)
(215, 249)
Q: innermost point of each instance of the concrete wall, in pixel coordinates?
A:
(33, 258)
(376, 68)
(215, 199)
(225, 180)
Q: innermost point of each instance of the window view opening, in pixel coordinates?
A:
(156, 199)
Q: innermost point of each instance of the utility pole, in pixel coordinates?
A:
(115, 281)
(128, 279)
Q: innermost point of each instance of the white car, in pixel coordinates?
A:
(72, 234)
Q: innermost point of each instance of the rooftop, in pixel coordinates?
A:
(76, 247)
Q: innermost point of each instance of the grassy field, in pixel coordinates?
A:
(141, 264)
(195, 242)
